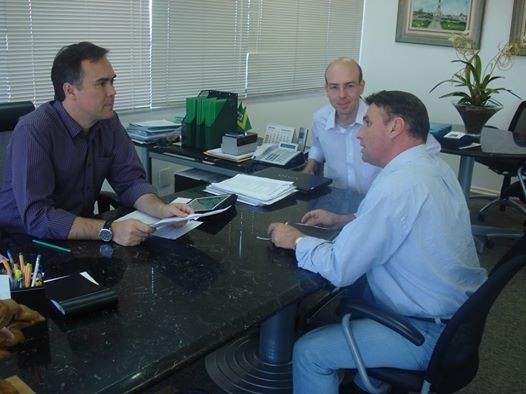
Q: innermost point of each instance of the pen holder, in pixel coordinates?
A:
(35, 349)
(34, 298)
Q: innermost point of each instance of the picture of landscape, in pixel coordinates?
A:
(433, 22)
(449, 15)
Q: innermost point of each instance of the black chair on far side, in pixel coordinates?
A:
(11, 112)
(9, 115)
(455, 359)
(509, 192)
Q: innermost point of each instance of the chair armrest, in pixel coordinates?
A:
(394, 321)
(389, 319)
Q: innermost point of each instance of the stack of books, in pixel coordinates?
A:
(253, 190)
(152, 131)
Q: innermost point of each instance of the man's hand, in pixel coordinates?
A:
(323, 218)
(176, 209)
(310, 167)
(130, 232)
(283, 235)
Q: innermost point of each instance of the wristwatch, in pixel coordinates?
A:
(105, 233)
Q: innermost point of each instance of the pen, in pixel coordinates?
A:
(48, 245)
(35, 272)
(10, 257)
(21, 260)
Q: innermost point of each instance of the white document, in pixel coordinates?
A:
(163, 228)
(253, 190)
(5, 290)
(155, 124)
(194, 216)
(168, 232)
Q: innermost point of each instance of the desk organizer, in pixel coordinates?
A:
(32, 297)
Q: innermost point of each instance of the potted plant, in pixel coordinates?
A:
(476, 103)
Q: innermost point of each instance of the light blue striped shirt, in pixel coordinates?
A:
(411, 237)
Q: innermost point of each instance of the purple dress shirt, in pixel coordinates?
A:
(54, 172)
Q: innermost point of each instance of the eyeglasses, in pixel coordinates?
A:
(348, 87)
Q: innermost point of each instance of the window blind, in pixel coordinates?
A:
(33, 31)
(166, 50)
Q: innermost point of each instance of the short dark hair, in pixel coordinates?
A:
(407, 106)
(67, 64)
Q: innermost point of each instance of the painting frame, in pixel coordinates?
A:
(518, 25)
(405, 32)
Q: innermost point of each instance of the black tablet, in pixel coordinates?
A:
(205, 204)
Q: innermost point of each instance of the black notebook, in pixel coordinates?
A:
(75, 293)
(305, 183)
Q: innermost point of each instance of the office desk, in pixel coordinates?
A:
(494, 143)
(178, 300)
(196, 159)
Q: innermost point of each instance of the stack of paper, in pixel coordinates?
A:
(253, 190)
(151, 131)
(225, 156)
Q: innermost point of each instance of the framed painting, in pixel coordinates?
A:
(433, 21)
(518, 25)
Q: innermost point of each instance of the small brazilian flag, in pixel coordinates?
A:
(243, 122)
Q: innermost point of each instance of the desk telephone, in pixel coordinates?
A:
(280, 145)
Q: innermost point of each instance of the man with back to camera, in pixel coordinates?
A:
(60, 154)
(410, 241)
(334, 129)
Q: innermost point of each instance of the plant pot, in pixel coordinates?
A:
(475, 117)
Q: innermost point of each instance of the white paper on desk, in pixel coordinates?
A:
(168, 232)
(194, 216)
(5, 290)
(472, 145)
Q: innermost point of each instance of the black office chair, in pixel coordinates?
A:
(9, 115)
(508, 168)
(454, 361)
(11, 112)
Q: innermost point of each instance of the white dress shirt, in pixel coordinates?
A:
(411, 236)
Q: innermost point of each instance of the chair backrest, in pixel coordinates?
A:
(518, 124)
(9, 115)
(454, 362)
(11, 112)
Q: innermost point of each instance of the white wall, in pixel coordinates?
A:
(417, 68)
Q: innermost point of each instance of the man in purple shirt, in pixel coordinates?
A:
(60, 154)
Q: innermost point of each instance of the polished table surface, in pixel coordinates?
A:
(494, 143)
(178, 299)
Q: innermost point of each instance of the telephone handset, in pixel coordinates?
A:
(302, 138)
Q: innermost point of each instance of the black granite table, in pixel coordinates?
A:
(178, 300)
(494, 143)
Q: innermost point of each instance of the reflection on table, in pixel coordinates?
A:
(178, 300)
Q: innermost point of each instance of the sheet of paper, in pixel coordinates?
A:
(164, 222)
(168, 232)
(5, 290)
